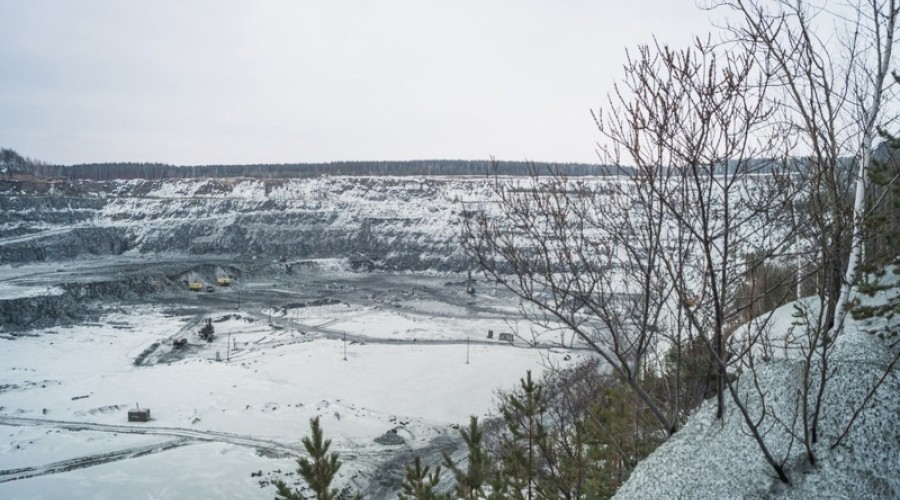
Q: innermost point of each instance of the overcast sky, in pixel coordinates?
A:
(220, 81)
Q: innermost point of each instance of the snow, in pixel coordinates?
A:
(36, 445)
(65, 392)
(212, 470)
(277, 378)
(435, 322)
(9, 291)
(708, 458)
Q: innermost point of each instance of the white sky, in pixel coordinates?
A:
(214, 81)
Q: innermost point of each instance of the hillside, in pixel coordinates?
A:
(711, 459)
(358, 217)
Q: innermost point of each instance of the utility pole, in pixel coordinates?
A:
(467, 350)
(345, 347)
(228, 348)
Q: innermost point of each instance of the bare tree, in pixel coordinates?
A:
(697, 126)
(649, 265)
(832, 91)
(651, 261)
(578, 255)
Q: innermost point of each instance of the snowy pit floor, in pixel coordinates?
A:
(225, 429)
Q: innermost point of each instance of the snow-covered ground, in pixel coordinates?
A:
(420, 320)
(65, 393)
(20, 291)
(719, 459)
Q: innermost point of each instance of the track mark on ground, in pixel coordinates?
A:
(90, 460)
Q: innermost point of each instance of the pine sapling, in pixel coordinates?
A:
(470, 482)
(419, 484)
(318, 472)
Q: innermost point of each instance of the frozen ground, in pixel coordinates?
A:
(418, 362)
(711, 458)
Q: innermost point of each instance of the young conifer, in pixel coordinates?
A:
(470, 482)
(419, 484)
(318, 472)
(522, 412)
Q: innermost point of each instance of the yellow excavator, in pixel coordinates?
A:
(195, 286)
(223, 281)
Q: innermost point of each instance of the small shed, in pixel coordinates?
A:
(139, 415)
(506, 337)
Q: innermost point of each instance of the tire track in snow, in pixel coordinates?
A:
(340, 335)
(183, 437)
(180, 432)
(89, 460)
(367, 456)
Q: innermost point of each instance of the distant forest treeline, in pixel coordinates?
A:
(110, 171)
(13, 164)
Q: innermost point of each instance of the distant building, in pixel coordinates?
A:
(139, 415)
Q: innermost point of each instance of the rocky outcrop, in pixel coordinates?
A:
(393, 223)
(368, 223)
(76, 301)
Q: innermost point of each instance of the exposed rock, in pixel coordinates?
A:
(390, 438)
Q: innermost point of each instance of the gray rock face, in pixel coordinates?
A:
(78, 300)
(387, 223)
(395, 223)
(390, 438)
